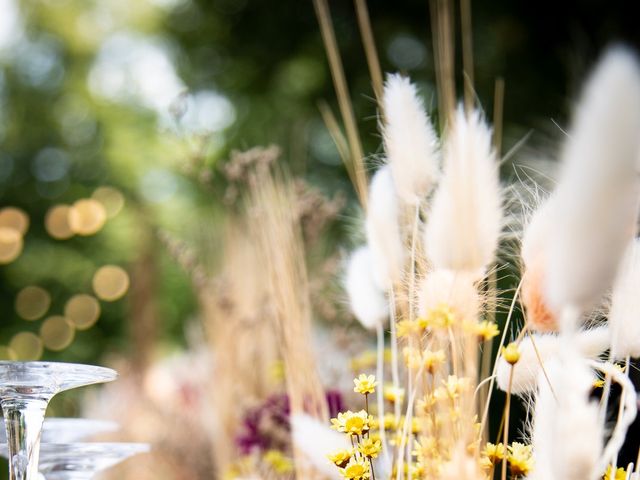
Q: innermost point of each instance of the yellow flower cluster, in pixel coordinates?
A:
(278, 461)
(620, 474)
(356, 463)
(518, 455)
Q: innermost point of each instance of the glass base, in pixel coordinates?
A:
(76, 461)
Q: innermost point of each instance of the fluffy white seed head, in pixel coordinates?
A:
(464, 223)
(383, 229)
(596, 201)
(409, 140)
(366, 299)
(590, 343)
(451, 289)
(567, 433)
(316, 440)
(624, 315)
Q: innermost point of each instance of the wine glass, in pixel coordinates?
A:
(82, 461)
(25, 391)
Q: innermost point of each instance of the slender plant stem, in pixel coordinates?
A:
(507, 410)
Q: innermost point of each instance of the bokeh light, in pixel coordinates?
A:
(26, 346)
(82, 311)
(6, 353)
(15, 218)
(57, 333)
(32, 302)
(10, 244)
(57, 222)
(111, 199)
(110, 282)
(87, 216)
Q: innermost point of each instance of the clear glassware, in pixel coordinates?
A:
(82, 461)
(25, 391)
(70, 430)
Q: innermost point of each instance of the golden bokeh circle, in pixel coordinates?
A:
(10, 244)
(15, 218)
(32, 302)
(110, 198)
(82, 311)
(87, 216)
(26, 346)
(57, 333)
(57, 222)
(6, 353)
(110, 283)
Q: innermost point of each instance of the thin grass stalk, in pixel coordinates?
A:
(379, 391)
(485, 414)
(505, 435)
(444, 51)
(467, 54)
(370, 50)
(344, 99)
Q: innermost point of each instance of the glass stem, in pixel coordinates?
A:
(23, 419)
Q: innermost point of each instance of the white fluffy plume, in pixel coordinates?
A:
(590, 343)
(409, 140)
(454, 289)
(366, 299)
(316, 440)
(624, 315)
(383, 229)
(464, 223)
(567, 435)
(596, 202)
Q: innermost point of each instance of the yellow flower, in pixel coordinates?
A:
(412, 357)
(366, 359)
(423, 323)
(356, 469)
(353, 423)
(424, 404)
(519, 458)
(494, 453)
(486, 464)
(441, 317)
(341, 457)
(426, 447)
(598, 383)
(370, 448)
(510, 353)
(393, 394)
(277, 461)
(431, 360)
(486, 330)
(365, 384)
(389, 421)
(405, 328)
(620, 474)
(451, 388)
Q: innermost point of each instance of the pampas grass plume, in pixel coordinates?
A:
(624, 315)
(366, 299)
(567, 434)
(464, 223)
(596, 201)
(409, 140)
(456, 290)
(590, 343)
(383, 229)
(316, 440)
